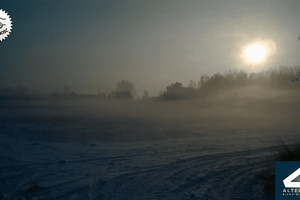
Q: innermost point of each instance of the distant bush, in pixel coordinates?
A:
(176, 91)
(124, 90)
(289, 153)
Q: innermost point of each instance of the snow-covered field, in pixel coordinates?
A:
(215, 165)
(171, 169)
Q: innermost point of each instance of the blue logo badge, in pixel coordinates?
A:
(287, 180)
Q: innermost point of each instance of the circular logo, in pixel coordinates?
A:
(5, 25)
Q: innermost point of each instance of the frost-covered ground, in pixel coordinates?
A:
(220, 164)
(169, 169)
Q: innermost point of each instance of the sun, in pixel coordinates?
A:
(255, 53)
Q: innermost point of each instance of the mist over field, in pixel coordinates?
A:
(220, 104)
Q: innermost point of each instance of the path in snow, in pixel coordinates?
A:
(129, 171)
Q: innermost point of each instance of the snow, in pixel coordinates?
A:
(219, 164)
(168, 169)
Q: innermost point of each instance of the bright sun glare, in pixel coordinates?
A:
(255, 53)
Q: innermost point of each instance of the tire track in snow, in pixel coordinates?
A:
(219, 178)
(216, 176)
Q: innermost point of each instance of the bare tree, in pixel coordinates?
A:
(124, 90)
(146, 95)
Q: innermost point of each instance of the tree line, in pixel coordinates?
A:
(275, 78)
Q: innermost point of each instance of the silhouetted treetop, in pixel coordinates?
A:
(124, 90)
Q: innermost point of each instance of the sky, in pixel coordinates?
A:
(90, 45)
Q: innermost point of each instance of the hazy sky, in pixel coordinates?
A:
(91, 45)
